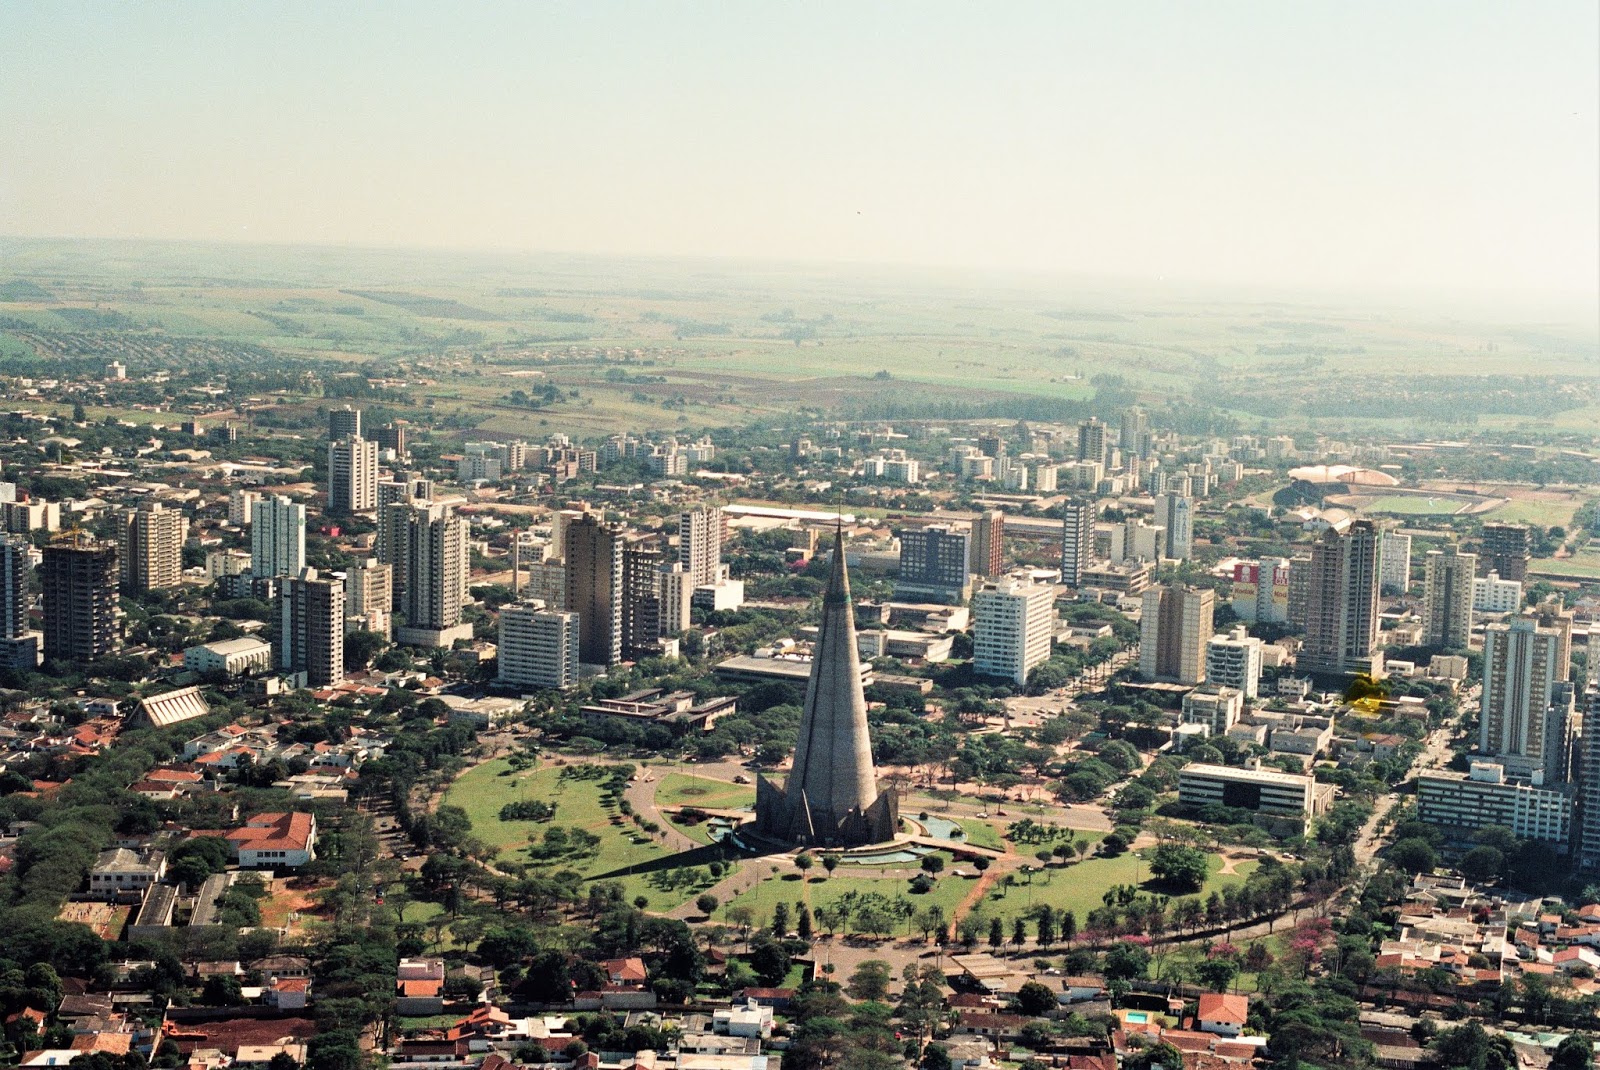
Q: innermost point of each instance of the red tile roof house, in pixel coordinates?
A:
(1223, 1015)
(629, 971)
(276, 841)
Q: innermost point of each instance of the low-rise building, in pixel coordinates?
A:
(120, 872)
(234, 657)
(1485, 796)
(1263, 791)
(276, 841)
(1218, 708)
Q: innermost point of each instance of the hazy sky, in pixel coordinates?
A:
(1448, 145)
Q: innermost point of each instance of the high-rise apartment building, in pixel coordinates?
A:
(593, 550)
(641, 599)
(241, 506)
(1588, 768)
(433, 546)
(700, 543)
(150, 546)
(19, 647)
(1092, 444)
(987, 545)
(1394, 562)
(352, 476)
(391, 438)
(344, 422)
(1524, 719)
(1012, 624)
(1234, 660)
(1261, 590)
(1135, 433)
(677, 598)
(1175, 624)
(1506, 549)
(1077, 540)
(311, 636)
(537, 647)
(278, 537)
(1341, 600)
(1175, 513)
(1447, 598)
(369, 596)
(933, 565)
(78, 582)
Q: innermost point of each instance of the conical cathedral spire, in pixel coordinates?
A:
(832, 793)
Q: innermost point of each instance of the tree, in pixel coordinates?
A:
(870, 981)
(936, 1057)
(1414, 855)
(1019, 931)
(997, 933)
(802, 921)
(933, 863)
(1126, 962)
(1069, 926)
(770, 961)
(1035, 1000)
(1573, 1053)
(1483, 864)
(1182, 868)
(282, 1061)
(780, 920)
(804, 861)
(706, 904)
(1217, 973)
(830, 863)
(222, 991)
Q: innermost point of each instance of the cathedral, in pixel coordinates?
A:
(831, 798)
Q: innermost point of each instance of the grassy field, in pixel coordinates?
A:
(682, 789)
(1546, 514)
(1416, 505)
(948, 892)
(982, 834)
(1081, 886)
(625, 854)
(1582, 565)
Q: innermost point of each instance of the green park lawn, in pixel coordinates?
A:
(1081, 886)
(1583, 565)
(948, 892)
(982, 834)
(1416, 505)
(622, 851)
(683, 789)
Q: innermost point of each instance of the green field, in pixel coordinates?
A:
(1416, 505)
(982, 834)
(1582, 565)
(623, 851)
(1546, 514)
(1081, 886)
(682, 789)
(948, 892)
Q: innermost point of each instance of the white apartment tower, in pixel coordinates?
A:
(277, 537)
(1394, 562)
(433, 543)
(1012, 625)
(1175, 513)
(1234, 660)
(1524, 718)
(311, 640)
(150, 546)
(1077, 540)
(700, 544)
(241, 506)
(352, 476)
(1175, 625)
(538, 647)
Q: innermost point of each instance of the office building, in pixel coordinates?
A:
(677, 598)
(1491, 594)
(537, 647)
(593, 549)
(1234, 661)
(433, 546)
(987, 545)
(150, 547)
(1341, 608)
(1092, 443)
(933, 565)
(1486, 796)
(311, 636)
(700, 534)
(352, 476)
(1175, 513)
(1012, 627)
(278, 537)
(1394, 562)
(241, 506)
(344, 422)
(1260, 593)
(78, 587)
(831, 797)
(1505, 551)
(1524, 719)
(1263, 791)
(1447, 598)
(1077, 540)
(19, 647)
(1174, 629)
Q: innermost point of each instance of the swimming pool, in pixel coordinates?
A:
(1137, 1017)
